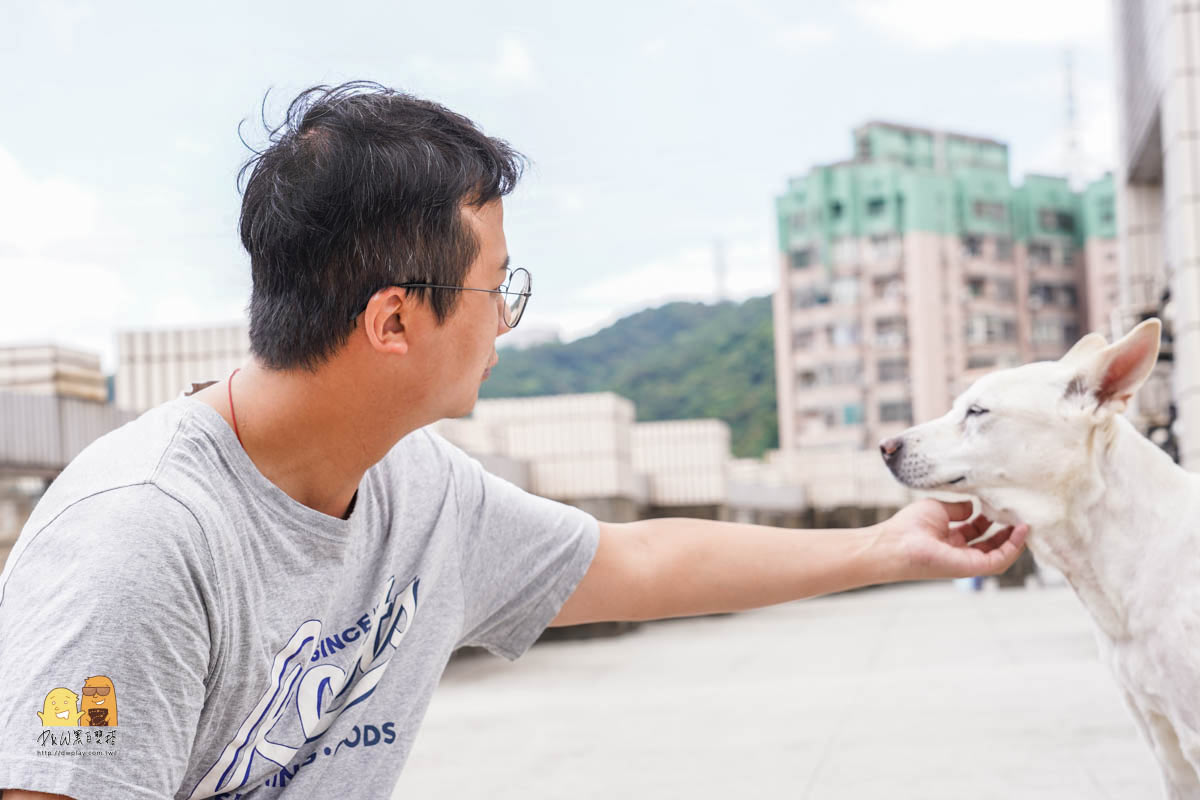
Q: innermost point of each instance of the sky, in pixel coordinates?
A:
(659, 133)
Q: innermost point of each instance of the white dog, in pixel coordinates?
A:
(1046, 444)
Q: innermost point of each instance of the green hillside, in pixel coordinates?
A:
(680, 361)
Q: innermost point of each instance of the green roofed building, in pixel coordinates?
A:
(917, 266)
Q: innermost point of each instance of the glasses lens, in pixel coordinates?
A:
(517, 296)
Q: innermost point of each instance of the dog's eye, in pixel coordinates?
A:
(975, 411)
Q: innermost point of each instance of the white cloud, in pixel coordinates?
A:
(654, 47)
(511, 67)
(46, 296)
(35, 214)
(514, 64)
(935, 24)
(68, 303)
(688, 275)
(803, 34)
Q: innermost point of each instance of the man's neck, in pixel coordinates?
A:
(309, 434)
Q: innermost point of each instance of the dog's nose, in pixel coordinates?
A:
(890, 448)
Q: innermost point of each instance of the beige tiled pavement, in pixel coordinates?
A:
(917, 691)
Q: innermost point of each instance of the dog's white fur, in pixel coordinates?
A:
(1105, 506)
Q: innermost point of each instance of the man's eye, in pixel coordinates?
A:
(975, 411)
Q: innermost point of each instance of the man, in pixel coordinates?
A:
(272, 572)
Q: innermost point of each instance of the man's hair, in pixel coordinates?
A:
(362, 187)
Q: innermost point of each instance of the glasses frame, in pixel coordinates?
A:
(504, 290)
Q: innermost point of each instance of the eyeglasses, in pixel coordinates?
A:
(100, 690)
(516, 291)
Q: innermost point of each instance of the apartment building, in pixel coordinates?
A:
(917, 266)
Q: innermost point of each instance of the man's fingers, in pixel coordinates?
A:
(1003, 548)
(994, 541)
(958, 511)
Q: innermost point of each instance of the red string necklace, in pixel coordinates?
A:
(232, 413)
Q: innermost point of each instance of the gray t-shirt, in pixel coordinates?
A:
(172, 624)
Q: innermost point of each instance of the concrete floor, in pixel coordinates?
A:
(916, 691)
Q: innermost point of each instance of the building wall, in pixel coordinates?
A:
(578, 446)
(1158, 180)
(154, 366)
(1103, 285)
(685, 461)
(1181, 215)
(47, 369)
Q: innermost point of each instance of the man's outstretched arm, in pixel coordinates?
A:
(679, 567)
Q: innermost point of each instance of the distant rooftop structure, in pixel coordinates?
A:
(49, 369)
(884, 142)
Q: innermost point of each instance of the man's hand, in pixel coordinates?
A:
(928, 539)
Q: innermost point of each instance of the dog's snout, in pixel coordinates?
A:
(890, 448)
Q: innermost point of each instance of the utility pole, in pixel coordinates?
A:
(1072, 155)
(721, 269)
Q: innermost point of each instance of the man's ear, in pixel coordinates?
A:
(1110, 376)
(1085, 347)
(384, 318)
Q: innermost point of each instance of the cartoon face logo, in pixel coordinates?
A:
(61, 709)
(99, 702)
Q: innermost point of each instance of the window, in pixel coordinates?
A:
(1040, 254)
(1040, 294)
(1056, 221)
(893, 369)
(976, 286)
(802, 259)
(887, 288)
(1043, 294)
(1006, 290)
(884, 247)
(799, 220)
(844, 250)
(891, 332)
(1048, 332)
(981, 362)
(835, 210)
(844, 334)
(1004, 248)
(852, 414)
(845, 372)
(990, 328)
(807, 297)
(896, 412)
(845, 291)
(802, 339)
(876, 206)
(973, 246)
(991, 211)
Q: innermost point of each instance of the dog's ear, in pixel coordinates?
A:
(1110, 376)
(1084, 348)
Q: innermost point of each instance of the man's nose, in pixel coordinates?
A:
(890, 448)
